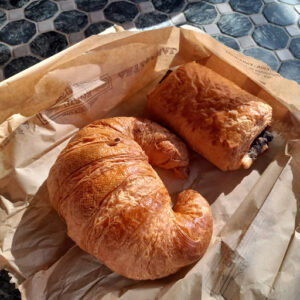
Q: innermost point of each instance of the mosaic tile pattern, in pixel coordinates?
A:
(31, 31)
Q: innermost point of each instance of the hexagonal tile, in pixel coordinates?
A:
(40, 10)
(247, 7)
(152, 19)
(48, 43)
(235, 24)
(295, 47)
(19, 64)
(215, 1)
(264, 55)
(12, 4)
(290, 1)
(200, 13)
(228, 41)
(4, 54)
(120, 12)
(290, 70)
(96, 28)
(280, 14)
(70, 21)
(169, 6)
(91, 5)
(2, 17)
(270, 37)
(138, 1)
(17, 32)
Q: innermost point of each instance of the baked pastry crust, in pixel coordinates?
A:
(218, 119)
(117, 208)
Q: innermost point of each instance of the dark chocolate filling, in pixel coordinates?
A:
(258, 144)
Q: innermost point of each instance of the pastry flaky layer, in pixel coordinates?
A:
(213, 115)
(117, 208)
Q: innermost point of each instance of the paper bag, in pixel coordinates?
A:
(254, 252)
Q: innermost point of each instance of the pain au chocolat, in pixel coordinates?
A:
(218, 119)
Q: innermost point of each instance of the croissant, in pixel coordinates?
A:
(217, 119)
(117, 208)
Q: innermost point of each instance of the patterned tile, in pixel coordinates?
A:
(228, 41)
(169, 6)
(17, 32)
(35, 29)
(4, 54)
(48, 44)
(91, 5)
(120, 12)
(19, 64)
(247, 7)
(151, 19)
(200, 13)
(270, 37)
(40, 10)
(264, 55)
(295, 47)
(290, 70)
(235, 24)
(71, 21)
(280, 14)
(97, 28)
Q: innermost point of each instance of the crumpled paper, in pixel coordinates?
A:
(254, 252)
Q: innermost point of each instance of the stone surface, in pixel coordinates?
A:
(264, 55)
(15, 14)
(270, 37)
(4, 54)
(48, 44)
(45, 26)
(235, 24)
(293, 30)
(91, 5)
(146, 7)
(284, 54)
(228, 41)
(211, 29)
(248, 7)
(295, 47)
(19, 64)
(200, 13)
(40, 10)
(290, 70)
(280, 14)
(224, 8)
(168, 6)
(17, 32)
(246, 42)
(71, 21)
(12, 4)
(258, 19)
(96, 28)
(120, 12)
(215, 1)
(151, 19)
(290, 1)
(138, 1)
(21, 50)
(2, 17)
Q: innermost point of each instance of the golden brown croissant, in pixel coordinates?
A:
(117, 208)
(214, 116)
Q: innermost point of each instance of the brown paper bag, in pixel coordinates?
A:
(254, 252)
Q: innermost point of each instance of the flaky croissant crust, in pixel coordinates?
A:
(117, 208)
(218, 119)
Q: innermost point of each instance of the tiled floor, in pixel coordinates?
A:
(33, 30)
